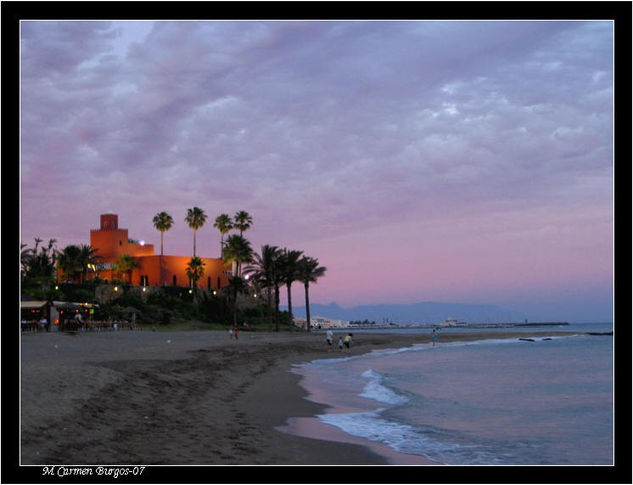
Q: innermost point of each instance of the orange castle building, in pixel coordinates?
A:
(153, 270)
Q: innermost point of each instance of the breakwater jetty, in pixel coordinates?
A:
(525, 324)
(494, 325)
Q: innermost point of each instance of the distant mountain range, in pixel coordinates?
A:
(405, 314)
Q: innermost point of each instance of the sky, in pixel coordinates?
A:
(450, 161)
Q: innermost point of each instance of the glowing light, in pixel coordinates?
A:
(142, 243)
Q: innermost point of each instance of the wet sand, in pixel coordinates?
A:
(184, 398)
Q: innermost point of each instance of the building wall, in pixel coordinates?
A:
(154, 270)
(176, 266)
(112, 243)
(108, 243)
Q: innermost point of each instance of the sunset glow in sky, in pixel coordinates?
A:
(467, 161)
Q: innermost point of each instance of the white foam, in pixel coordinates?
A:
(375, 390)
(406, 439)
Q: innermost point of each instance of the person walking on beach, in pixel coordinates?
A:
(348, 342)
(340, 344)
(237, 333)
(434, 337)
(230, 332)
(329, 337)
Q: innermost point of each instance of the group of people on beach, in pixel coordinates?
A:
(234, 332)
(342, 342)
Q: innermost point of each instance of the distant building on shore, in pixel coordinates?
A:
(321, 322)
(111, 242)
(451, 322)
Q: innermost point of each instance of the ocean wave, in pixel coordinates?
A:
(435, 445)
(377, 391)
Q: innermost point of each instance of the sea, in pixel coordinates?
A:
(500, 401)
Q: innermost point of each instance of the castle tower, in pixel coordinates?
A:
(111, 242)
(109, 221)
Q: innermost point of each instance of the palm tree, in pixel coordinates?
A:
(237, 250)
(76, 259)
(125, 264)
(309, 271)
(289, 263)
(263, 271)
(67, 261)
(195, 270)
(243, 221)
(224, 224)
(70, 261)
(163, 222)
(87, 257)
(196, 219)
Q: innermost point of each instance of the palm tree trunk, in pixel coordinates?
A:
(235, 308)
(270, 309)
(160, 263)
(194, 243)
(276, 308)
(289, 303)
(307, 306)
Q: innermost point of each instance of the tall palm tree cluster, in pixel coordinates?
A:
(236, 247)
(274, 268)
(196, 218)
(266, 272)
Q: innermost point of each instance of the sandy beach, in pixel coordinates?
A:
(182, 398)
